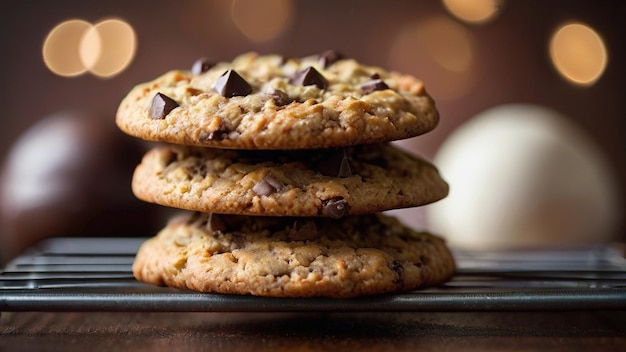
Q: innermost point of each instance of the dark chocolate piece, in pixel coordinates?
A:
(198, 168)
(281, 98)
(335, 208)
(161, 106)
(218, 135)
(335, 164)
(309, 76)
(374, 84)
(201, 65)
(399, 269)
(329, 57)
(231, 84)
(268, 185)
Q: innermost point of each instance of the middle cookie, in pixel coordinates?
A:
(327, 182)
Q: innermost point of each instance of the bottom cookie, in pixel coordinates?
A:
(293, 257)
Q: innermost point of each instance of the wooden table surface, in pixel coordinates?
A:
(444, 331)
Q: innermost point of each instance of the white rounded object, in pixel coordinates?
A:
(523, 176)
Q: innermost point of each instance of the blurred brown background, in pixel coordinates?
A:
(509, 63)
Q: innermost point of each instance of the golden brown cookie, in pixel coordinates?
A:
(328, 182)
(293, 257)
(273, 102)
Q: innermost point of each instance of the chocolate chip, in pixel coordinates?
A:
(161, 106)
(281, 98)
(374, 84)
(268, 185)
(201, 65)
(198, 169)
(238, 240)
(335, 208)
(231, 84)
(398, 269)
(335, 164)
(329, 57)
(303, 231)
(309, 76)
(218, 135)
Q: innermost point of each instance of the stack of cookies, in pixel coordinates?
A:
(283, 168)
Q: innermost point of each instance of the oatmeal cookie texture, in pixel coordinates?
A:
(282, 168)
(332, 183)
(275, 102)
(292, 257)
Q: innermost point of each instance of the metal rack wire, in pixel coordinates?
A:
(94, 274)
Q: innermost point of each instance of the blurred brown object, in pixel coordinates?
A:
(69, 175)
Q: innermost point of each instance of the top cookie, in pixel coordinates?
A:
(273, 102)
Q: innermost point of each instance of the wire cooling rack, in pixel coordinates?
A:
(94, 274)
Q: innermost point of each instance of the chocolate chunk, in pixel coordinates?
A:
(303, 231)
(201, 65)
(161, 106)
(218, 135)
(335, 208)
(374, 84)
(329, 57)
(198, 169)
(238, 240)
(335, 164)
(231, 84)
(281, 98)
(268, 185)
(309, 76)
(398, 269)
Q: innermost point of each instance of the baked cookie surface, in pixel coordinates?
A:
(273, 102)
(292, 257)
(328, 182)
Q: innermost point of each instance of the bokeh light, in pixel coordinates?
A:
(474, 11)
(76, 46)
(440, 51)
(449, 44)
(60, 52)
(261, 21)
(578, 53)
(117, 47)
(208, 21)
(90, 47)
